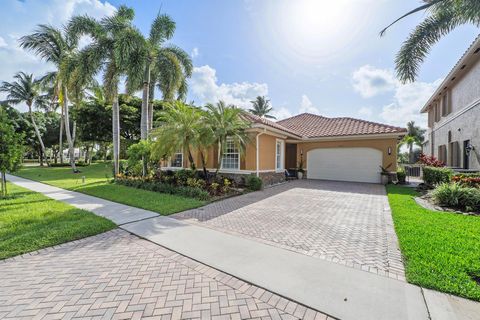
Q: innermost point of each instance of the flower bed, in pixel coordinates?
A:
(455, 195)
(468, 179)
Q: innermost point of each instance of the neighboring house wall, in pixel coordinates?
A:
(449, 130)
(380, 144)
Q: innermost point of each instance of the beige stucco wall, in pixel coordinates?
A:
(466, 90)
(380, 144)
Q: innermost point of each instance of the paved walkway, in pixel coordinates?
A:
(343, 222)
(334, 289)
(117, 275)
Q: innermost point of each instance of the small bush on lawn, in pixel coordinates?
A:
(468, 179)
(67, 164)
(434, 175)
(401, 176)
(254, 183)
(455, 195)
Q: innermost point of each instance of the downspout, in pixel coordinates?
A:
(257, 147)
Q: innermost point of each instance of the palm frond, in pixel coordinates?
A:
(163, 28)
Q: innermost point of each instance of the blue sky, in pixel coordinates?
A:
(306, 55)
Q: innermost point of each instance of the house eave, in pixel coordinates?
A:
(397, 135)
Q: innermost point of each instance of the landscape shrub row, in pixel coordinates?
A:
(455, 195)
(433, 176)
(468, 179)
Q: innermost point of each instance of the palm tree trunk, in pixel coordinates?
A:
(204, 165)
(144, 119)
(37, 133)
(410, 153)
(151, 92)
(71, 150)
(116, 133)
(60, 140)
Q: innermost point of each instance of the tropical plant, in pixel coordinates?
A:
(414, 136)
(11, 149)
(166, 64)
(443, 17)
(227, 122)
(430, 161)
(261, 107)
(179, 131)
(25, 89)
(118, 49)
(58, 47)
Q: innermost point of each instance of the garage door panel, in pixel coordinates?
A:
(344, 164)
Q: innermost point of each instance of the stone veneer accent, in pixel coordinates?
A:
(268, 178)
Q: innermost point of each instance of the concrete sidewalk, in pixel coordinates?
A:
(339, 291)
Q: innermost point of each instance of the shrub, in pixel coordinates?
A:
(434, 175)
(430, 161)
(66, 164)
(468, 179)
(183, 175)
(457, 196)
(254, 183)
(401, 176)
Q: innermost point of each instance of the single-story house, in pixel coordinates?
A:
(344, 149)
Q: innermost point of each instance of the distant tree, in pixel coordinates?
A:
(414, 136)
(442, 17)
(25, 89)
(11, 149)
(261, 107)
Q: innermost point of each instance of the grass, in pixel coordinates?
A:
(97, 183)
(441, 249)
(30, 221)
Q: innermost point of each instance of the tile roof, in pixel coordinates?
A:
(314, 126)
(256, 119)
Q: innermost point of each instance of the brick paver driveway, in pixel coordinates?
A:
(116, 275)
(344, 222)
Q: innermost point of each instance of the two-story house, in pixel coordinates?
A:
(453, 134)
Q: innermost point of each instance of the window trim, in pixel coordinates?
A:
(282, 155)
(230, 140)
(174, 155)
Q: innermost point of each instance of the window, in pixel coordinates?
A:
(454, 154)
(177, 160)
(279, 156)
(231, 156)
(442, 153)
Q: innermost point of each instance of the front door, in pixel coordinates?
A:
(291, 156)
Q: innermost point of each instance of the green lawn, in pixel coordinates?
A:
(97, 183)
(441, 250)
(30, 221)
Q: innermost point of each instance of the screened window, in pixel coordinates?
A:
(231, 156)
(177, 160)
(279, 155)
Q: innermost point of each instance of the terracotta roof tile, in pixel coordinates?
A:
(256, 119)
(314, 126)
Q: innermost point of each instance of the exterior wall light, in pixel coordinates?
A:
(469, 149)
(389, 151)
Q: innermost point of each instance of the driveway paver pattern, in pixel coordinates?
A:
(117, 275)
(343, 222)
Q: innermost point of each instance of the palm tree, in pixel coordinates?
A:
(25, 89)
(180, 130)
(118, 49)
(58, 47)
(414, 136)
(167, 65)
(226, 122)
(261, 107)
(443, 17)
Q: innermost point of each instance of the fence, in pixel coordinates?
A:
(413, 170)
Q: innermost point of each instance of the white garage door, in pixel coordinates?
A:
(345, 164)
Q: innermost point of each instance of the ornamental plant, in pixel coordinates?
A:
(430, 161)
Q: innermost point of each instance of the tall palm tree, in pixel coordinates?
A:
(56, 46)
(415, 136)
(180, 130)
(117, 49)
(166, 64)
(261, 107)
(226, 122)
(443, 17)
(25, 89)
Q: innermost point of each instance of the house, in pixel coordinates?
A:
(344, 149)
(453, 134)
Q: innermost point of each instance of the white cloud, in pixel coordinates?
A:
(370, 81)
(281, 113)
(407, 102)
(365, 111)
(205, 89)
(21, 17)
(195, 52)
(307, 106)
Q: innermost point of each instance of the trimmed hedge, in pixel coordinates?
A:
(455, 195)
(185, 191)
(435, 175)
